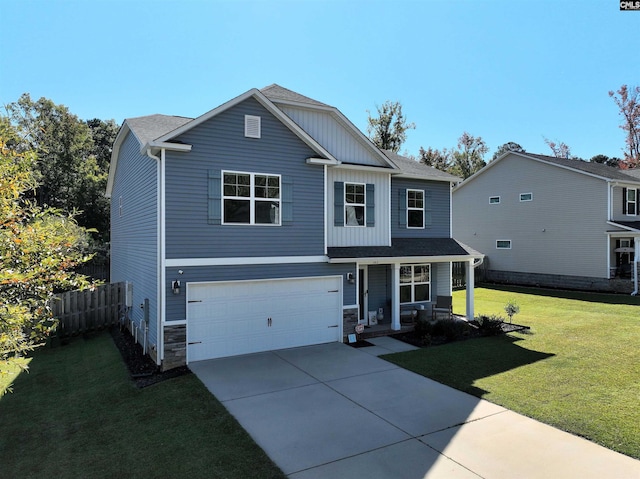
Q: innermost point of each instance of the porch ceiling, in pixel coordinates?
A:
(406, 249)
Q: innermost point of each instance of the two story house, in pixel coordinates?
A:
(271, 222)
(552, 222)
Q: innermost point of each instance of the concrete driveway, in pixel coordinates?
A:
(332, 411)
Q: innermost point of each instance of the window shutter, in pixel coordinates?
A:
(287, 200)
(214, 198)
(624, 201)
(427, 208)
(370, 204)
(402, 207)
(338, 203)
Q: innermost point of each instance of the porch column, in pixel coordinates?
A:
(395, 297)
(469, 270)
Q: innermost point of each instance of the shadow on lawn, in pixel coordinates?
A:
(607, 298)
(461, 364)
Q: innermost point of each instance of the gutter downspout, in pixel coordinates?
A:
(160, 248)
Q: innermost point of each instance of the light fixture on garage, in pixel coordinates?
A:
(351, 278)
(175, 286)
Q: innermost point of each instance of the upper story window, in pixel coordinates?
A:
(630, 204)
(494, 200)
(526, 196)
(354, 204)
(415, 283)
(415, 209)
(250, 198)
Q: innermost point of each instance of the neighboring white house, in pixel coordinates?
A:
(552, 222)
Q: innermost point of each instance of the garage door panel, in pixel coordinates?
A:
(226, 319)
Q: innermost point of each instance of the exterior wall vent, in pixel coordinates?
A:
(252, 126)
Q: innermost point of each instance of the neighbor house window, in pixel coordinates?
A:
(526, 196)
(631, 202)
(354, 204)
(415, 208)
(503, 244)
(494, 200)
(415, 283)
(251, 198)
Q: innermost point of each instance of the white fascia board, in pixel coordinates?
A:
(426, 178)
(406, 259)
(351, 166)
(239, 261)
(322, 161)
(156, 145)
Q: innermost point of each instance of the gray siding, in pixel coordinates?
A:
(440, 209)
(333, 136)
(562, 231)
(134, 230)
(379, 277)
(220, 144)
(378, 235)
(176, 304)
(617, 205)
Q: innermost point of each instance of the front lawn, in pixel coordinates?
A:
(77, 414)
(578, 369)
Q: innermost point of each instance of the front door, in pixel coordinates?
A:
(363, 294)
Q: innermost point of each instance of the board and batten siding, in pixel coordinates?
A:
(376, 235)
(333, 136)
(561, 231)
(176, 303)
(134, 230)
(437, 207)
(219, 144)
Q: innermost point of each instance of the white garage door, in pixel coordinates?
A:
(240, 317)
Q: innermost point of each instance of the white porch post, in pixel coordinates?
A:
(469, 270)
(395, 297)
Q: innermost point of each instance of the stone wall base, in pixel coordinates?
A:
(175, 346)
(349, 321)
(581, 283)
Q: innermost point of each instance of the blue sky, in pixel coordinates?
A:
(504, 70)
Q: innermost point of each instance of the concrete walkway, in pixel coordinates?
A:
(332, 411)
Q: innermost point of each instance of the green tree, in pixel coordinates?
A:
(605, 160)
(39, 247)
(388, 131)
(74, 159)
(509, 146)
(469, 157)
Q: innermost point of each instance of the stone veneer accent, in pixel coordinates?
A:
(349, 321)
(175, 346)
(559, 281)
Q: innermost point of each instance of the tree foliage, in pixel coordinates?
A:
(388, 130)
(39, 247)
(628, 101)
(74, 158)
(560, 150)
(605, 160)
(469, 157)
(509, 146)
(439, 159)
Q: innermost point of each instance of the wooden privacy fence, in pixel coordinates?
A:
(87, 310)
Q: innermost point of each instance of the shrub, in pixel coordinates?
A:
(489, 325)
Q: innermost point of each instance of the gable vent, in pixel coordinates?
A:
(252, 126)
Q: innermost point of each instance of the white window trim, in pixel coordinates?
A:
(634, 203)
(494, 202)
(408, 208)
(503, 240)
(252, 126)
(364, 205)
(251, 198)
(522, 194)
(413, 283)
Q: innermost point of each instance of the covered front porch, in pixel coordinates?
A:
(624, 252)
(394, 284)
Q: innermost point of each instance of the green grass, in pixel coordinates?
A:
(77, 414)
(578, 369)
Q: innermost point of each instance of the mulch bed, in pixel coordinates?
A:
(144, 372)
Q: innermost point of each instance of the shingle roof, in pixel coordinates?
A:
(598, 169)
(276, 92)
(629, 224)
(415, 168)
(405, 247)
(148, 128)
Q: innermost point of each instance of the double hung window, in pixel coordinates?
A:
(631, 202)
(415, 209)
(251, 198)
(354, 204)
(415, 283)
